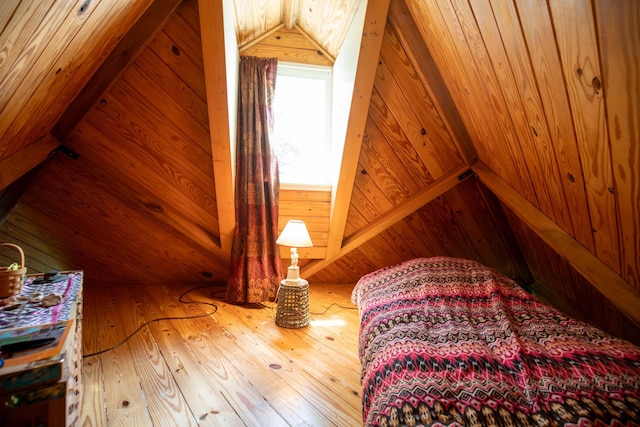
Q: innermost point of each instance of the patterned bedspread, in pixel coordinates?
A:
(446, 341)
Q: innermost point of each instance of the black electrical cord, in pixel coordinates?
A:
(331, 305)
(215, 309)
(322, 313)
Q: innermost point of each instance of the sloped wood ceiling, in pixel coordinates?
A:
(325, 22)
(485, 117)
(138, 204)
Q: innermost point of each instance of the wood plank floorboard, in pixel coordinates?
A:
(234, 367)
(93, 398)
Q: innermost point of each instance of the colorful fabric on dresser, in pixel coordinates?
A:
(446, 341)
(29, 314)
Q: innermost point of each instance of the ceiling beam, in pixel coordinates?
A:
(34, 159)
(290, 13)
(259, 39)
(21, 162)
(606, 281)
(221, 57)
(372, 34)
(399, 212)
(315, 44)
(127, 50)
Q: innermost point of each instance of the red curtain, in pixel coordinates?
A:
(255, 269)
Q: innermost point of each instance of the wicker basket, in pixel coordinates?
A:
(11, 280)
(293, 306)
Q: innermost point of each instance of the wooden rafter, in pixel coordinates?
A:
(372, 33)
(218, 40)
(605, 280)
(290, 13)
(21, 162)
(316, 44)
(400, 211)
(257, 40)
(12, 194)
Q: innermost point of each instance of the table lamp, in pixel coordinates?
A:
(295, 235)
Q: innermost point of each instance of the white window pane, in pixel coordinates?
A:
(301, 124)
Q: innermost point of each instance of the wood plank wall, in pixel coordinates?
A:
(313, 208)
(464, 223)
(409, 142)
(139, 203)
(538, 68)
(546, 92)
(619, 49)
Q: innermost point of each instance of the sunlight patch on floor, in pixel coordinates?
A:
(328, 322)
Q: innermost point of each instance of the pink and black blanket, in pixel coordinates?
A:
(447, 342)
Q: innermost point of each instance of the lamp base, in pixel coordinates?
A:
(293, 276)
(293, 282)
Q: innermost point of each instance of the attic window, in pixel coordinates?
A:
(302, 124)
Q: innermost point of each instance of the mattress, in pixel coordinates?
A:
(447, 341)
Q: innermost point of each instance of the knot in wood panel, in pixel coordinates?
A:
(84, 7)
(597, 85)
(154, 207)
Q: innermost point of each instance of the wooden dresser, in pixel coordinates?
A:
(42, 386)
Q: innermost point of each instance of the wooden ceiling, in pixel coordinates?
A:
(325, 22)
(505, 132)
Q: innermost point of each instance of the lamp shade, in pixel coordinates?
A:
(295, 234)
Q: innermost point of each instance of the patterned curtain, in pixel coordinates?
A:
(255, 269)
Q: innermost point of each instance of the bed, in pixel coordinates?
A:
(447, 341)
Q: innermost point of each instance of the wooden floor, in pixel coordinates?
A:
(233, 368)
